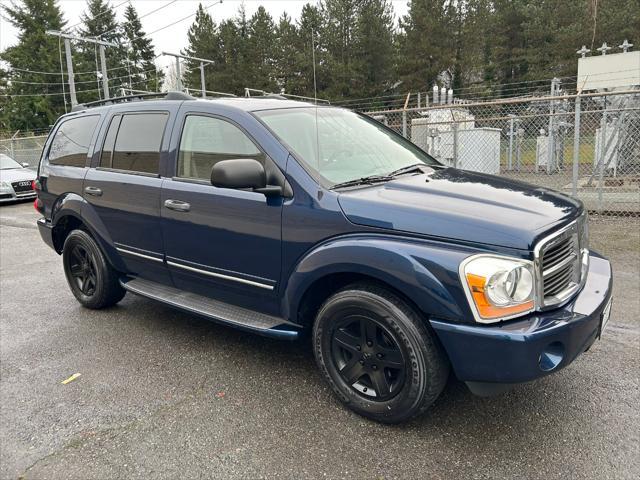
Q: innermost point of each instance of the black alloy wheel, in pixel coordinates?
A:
(92, 279)
(82, 267)
(368, 357)
(378, 354)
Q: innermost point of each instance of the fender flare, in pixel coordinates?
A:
(73, 205)
(424, 271)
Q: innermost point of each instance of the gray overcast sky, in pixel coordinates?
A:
(174, 38)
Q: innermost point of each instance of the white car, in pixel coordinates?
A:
(16, 181)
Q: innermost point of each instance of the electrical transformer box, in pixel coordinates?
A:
(477, 149)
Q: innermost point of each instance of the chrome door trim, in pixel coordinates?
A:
(220, 275)
(136, 254)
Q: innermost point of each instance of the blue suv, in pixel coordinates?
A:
(284, 218)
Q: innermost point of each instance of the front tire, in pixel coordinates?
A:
(93, 281)
(377, 354)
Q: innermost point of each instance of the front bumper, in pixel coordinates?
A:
(7, 196)
(537, 345)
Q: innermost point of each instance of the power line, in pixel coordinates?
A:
(141, 17)
(82, 82)
(99, 15)
(58, 93)
(56, 73)
(44, 94)
(183, 19)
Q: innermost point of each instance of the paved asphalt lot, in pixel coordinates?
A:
(166, 395)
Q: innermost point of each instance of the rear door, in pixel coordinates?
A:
(64, 162)
(124, 189)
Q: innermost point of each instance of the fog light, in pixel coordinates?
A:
(551, 356)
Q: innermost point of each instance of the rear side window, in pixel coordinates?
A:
(206, 140)
(138, 139)
(70, 144)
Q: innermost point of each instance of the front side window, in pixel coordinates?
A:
(70, 144)
(338, 145)
(207, 140)
(138, 142)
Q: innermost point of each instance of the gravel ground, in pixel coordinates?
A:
(163, 394)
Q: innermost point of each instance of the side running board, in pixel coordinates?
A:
(214, 310)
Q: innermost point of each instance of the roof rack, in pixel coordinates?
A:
(282, 96)
(134, 98)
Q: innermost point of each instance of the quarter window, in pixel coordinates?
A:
(138, 142)
(70, 145)
(206, 141)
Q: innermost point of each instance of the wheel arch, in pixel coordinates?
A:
(71, 212)
(424, 275)
(324, 287)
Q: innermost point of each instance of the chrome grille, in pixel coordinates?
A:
(22, 186)
(559, 258)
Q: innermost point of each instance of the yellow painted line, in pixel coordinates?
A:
(71, 378)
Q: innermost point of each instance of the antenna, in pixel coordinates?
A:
(315, 99)
(313, 57)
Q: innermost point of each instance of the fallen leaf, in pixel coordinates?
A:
(71, 378)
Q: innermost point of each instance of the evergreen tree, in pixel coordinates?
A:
(36, 99)
(261, 51)
(425, 46)
(374, 48)
(473, 47)
(203, 43)
(339, 35)
(144, 73)
(287, 66)
(100, 21)
(231, 58)
(311, 39)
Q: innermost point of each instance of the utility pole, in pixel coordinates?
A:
(67, 50)
(203, 62)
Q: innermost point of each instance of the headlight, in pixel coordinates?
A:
(498, 287)
(5, 186)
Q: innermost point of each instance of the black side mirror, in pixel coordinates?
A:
(243, 173)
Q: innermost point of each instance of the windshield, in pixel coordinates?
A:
(345, 147)
(7, 163)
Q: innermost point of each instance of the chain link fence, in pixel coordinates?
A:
(24, 148)
(587, 146)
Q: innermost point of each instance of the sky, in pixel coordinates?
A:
(174, 38)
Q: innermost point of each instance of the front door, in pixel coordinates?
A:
(124, 190)
(219, 242)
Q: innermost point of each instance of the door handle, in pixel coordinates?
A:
(95, 191)
(177, 205)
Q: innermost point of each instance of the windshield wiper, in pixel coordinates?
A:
(370, 180)
(415, 168)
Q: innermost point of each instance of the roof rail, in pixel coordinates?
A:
(134, 98)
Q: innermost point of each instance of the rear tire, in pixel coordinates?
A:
(377, 354)
(93, 281)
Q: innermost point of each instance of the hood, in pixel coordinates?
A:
(461, 205)
(17, 175)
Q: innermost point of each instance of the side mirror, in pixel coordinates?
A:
(243, 173)
(25, 165)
